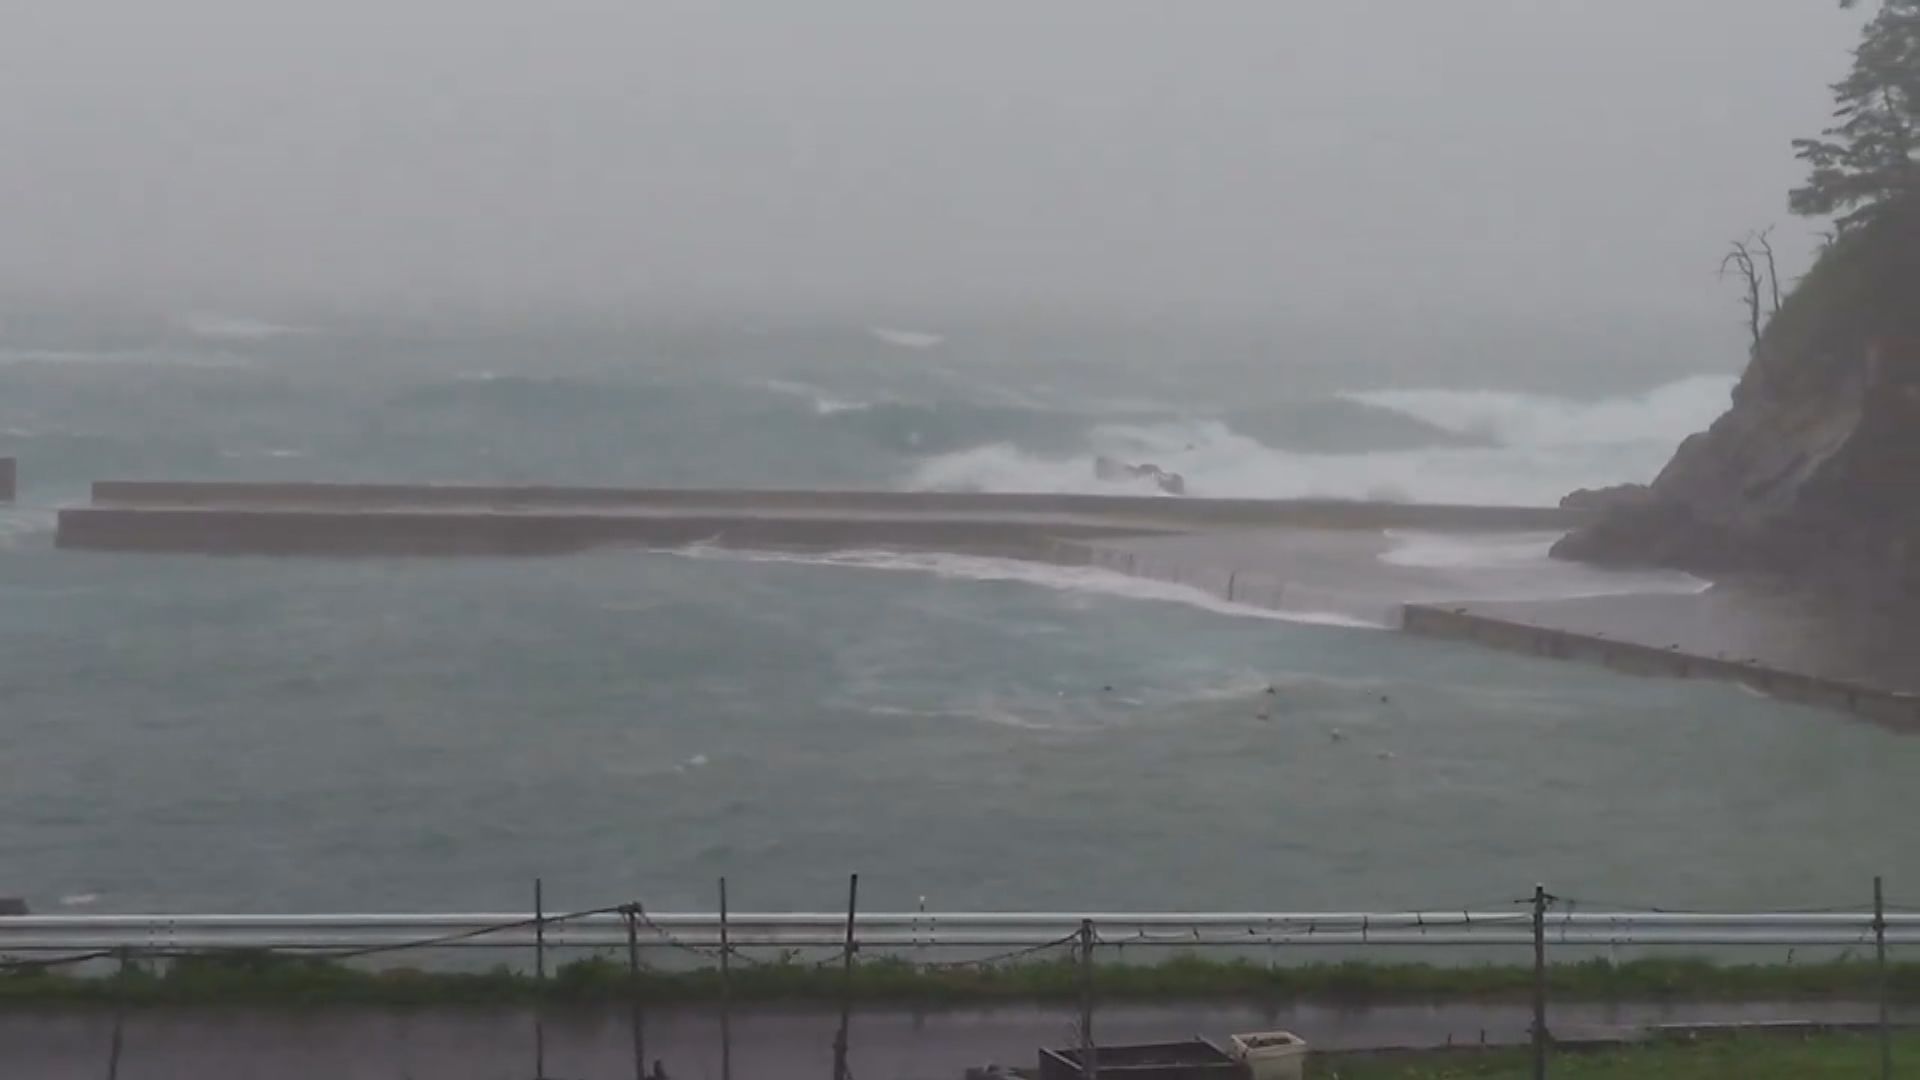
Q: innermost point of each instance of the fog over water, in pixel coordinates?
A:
(1371, 249)
(1239, 159)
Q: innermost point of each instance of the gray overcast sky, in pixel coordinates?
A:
(1212, 156)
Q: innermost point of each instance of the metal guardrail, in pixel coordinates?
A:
(909, 931)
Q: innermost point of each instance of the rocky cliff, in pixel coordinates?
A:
(1814, 473)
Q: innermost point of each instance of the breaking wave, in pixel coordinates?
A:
(1078, 579)
(235, 327)
(1510, 449)
(907, 339)
(1519, 419)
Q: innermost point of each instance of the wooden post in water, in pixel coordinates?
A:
(636, 1018)
(1089, 1057)
(540, 981)
(846, 984)
(1880, 962)
(726, 989)
(1539, 982)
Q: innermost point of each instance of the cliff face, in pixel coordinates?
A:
(1814, 473)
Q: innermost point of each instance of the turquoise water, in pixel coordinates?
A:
(193, 733)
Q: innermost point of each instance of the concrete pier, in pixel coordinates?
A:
(356, 519)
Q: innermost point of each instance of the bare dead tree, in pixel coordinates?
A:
(1740, 259)
(1764, 238)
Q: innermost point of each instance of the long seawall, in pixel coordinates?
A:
(1191, 513)
(1879, 701)
(384, 519)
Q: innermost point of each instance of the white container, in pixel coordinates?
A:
(1272, 1055)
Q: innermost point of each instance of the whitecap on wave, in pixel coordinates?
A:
(906, 339)
(1078, 579)
(235, 327)
(1540, 448)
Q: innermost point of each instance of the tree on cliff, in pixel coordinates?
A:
(1866, 161)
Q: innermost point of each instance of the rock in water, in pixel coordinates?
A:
(1814, 473)
(1106, 468)
(1606, 498)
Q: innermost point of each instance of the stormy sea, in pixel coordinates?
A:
(194, 733)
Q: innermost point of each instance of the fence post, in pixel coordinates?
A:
(1089, 1057)
(1539, 982)
(846, 984)
(540, 980)
(920, 942)
(726, 989)
(1880, 962)
(637, 1018)
(119, 1020)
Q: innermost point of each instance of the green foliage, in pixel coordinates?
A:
(1864, 286)
(1866, 160)
(267, 980)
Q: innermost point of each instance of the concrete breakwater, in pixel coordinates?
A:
(1733, 632)
(350, 519)
(1883, 698)
(1161, 511)
(458, 532)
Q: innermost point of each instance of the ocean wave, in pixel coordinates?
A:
(824, 403)
(235, 327)
(26, 527)
(907, 339)
(1227, 465)
(1076, 579)
(1518, 566)
(119, 358)
(1664, 414)
(1527, 450)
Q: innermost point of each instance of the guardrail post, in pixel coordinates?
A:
(1880, 962)
(637, 1017)
(846, 985)
(119, 1021)
(540, 980)
(726, 989)
(920, 942)
(1539, 982)
(1089, 1057)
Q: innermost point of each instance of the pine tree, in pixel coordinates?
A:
(1867, 160)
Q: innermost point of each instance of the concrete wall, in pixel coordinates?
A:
(451, 532)
(1882, 705)
(1194, 513)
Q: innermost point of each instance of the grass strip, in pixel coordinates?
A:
(260, 978)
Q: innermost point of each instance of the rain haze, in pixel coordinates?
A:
(1038, 457)
(1231, 159)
